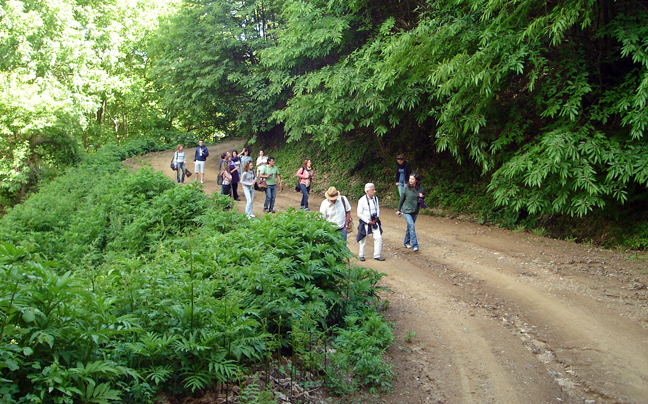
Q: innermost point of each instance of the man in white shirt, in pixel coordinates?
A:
(369, 215)
(334, 210)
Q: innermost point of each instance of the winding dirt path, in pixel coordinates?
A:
(485, 315)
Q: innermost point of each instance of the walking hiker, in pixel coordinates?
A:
(305, 174)
(245, 157)
(247, 180)
(199, 161)
(334, 210)
(180, 161)
(225, 176)
(261, 161)
(235, 170)
(273, 178)
(408, 207)
(369, 218)
(403, 171)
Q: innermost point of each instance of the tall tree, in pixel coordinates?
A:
(68, 68)
(549, 98)
(203, 63)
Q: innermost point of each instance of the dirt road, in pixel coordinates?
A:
(485, 315)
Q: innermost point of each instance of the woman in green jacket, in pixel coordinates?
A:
(409, 208)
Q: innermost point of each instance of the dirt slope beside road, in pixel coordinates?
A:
(485, 315)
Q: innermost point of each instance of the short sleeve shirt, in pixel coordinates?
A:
(273, 172)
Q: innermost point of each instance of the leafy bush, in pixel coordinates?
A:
(156, 287)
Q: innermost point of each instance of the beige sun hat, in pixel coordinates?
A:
(332, 194)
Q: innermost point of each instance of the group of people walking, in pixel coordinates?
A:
(179, 162)
(234, 169)
(335, 208)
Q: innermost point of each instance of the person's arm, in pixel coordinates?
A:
(400, 204)
(279, 181)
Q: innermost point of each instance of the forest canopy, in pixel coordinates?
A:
(547, 98)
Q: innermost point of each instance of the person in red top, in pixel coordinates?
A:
(305, 174)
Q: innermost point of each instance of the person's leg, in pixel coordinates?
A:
(273, 196)
(184, 169)
(267, 199)
(377, 242)
(344, 234)
(248, 197)
(178, 173)
(413, 238)
(252, 200)
(406, 240)
(362, 244)
(200, 171)
(410, 233)
(304, 200)
(307, 195)
(235, 191)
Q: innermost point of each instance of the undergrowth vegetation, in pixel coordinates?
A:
(119, 286)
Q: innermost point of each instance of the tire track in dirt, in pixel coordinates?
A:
(499, 316)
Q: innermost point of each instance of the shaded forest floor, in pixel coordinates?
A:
(486, 315)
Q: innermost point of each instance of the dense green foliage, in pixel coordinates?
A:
(118, 285)
(547, 99)
(72, 76)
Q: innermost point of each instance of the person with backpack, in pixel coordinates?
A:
(305, 174)
(408, 207)
(336, 209)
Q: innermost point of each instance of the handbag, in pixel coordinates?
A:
(188, 173)
(421, 203)
(262, 184)
(350, 226)
(297, 187)
(173, 166)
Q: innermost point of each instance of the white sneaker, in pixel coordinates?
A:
(408, 246)
(201, 181)
(415, 249)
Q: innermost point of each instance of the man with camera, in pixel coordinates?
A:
(369, 216)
